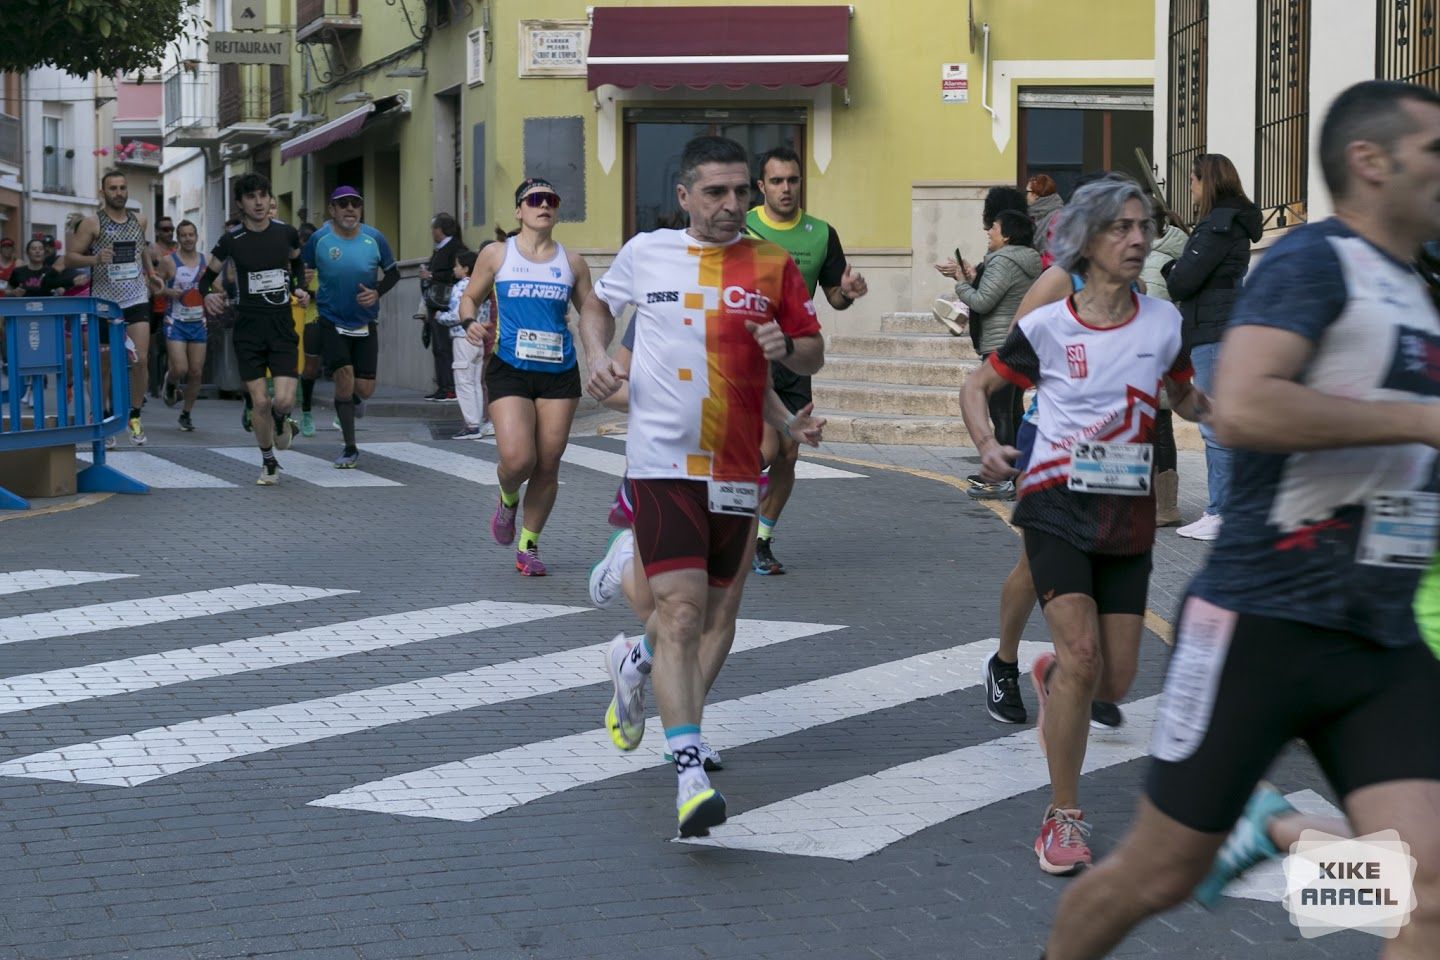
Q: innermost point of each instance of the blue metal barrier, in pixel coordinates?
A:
(59, 337)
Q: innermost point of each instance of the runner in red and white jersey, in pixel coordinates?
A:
(1087, 508)
(713, 309)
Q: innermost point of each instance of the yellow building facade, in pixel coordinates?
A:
(464, 98)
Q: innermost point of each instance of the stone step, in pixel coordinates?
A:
(918, 373)
(885, 398)
(909, 345)
(878, 428)
(911, 323)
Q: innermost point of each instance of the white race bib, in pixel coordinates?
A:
(185, 314)
(124, 271)
(1115, 468)
(734, 497)
(353, 331)
(541, 346)
(1192, 680)
(1399, 530)
(267, 281)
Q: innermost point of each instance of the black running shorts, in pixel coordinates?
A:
(265, 340)
(137, 313)
(792, 388)
(314, 343)
(1240, 687)
(675, 530)
(1116, 584)
(503, 380)
(361, 354)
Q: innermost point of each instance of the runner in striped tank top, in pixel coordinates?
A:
(112, 244)
(184, 321)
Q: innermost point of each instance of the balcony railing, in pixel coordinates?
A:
(9, 140)
(323, 19)
(251, 93)
(190, 99)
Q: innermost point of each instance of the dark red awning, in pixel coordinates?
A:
(727, 46)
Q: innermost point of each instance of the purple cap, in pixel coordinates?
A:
(345, 192)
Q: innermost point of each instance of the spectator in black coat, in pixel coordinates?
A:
(436, 279)
(1204, 282)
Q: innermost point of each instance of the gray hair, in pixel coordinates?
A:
(1091, 210)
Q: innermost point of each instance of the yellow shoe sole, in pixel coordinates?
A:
(701, 812)
(617, 737)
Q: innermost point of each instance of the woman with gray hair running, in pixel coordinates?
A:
(1086, 502)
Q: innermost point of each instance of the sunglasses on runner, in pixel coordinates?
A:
(542, 199)
(345, 202)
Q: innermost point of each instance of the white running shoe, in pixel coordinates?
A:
(487, 429)
(625, 717)
(1206, 528)
(284, 434)
(955, 316)
(606, 575)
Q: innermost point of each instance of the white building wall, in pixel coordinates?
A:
(1342, 53)
(71, 99)
(1230, 93)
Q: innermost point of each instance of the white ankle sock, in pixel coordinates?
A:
(637, 665)
(684, 744)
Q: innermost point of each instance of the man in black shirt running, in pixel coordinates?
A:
(269, 271)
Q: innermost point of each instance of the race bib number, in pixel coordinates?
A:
(268, 281)
(186, 314)
(541, 346)
(1399, 529)
(352, 331)
(733, 497)
(123, 265)
(1121, 469)
(1193, 680)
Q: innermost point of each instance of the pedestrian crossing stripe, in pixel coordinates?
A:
(133, 759)
(480, 787)
(157, 472)
(436, 458)
(25, 581)
(302, 466)
(846, 820)
(76, 684)
(123, 614)
(855, 818)
(804, 469)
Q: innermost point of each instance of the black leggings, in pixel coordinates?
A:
(1006, 408)
(1164, 440)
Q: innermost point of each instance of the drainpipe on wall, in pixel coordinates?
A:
(985, 76)
(25, 170)
(305, 160)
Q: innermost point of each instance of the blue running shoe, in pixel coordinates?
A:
(1248, 844)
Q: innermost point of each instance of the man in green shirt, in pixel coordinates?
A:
(815, 247)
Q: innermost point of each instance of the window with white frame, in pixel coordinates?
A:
(57, 166)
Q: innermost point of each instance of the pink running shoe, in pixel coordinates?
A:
(502, 523)
(622, 511)
(528, 562)
(1061, 846)
(1040, 679)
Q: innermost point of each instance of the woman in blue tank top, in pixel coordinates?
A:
(532, 379)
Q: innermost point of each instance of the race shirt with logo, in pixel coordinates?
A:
(1291, 545)
(533, 302)
(697, 377)
(1093, 384)
(35, 283)
(813, 243)
(190, 307)
(262, 264)
(123, 278)
(341, 266)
